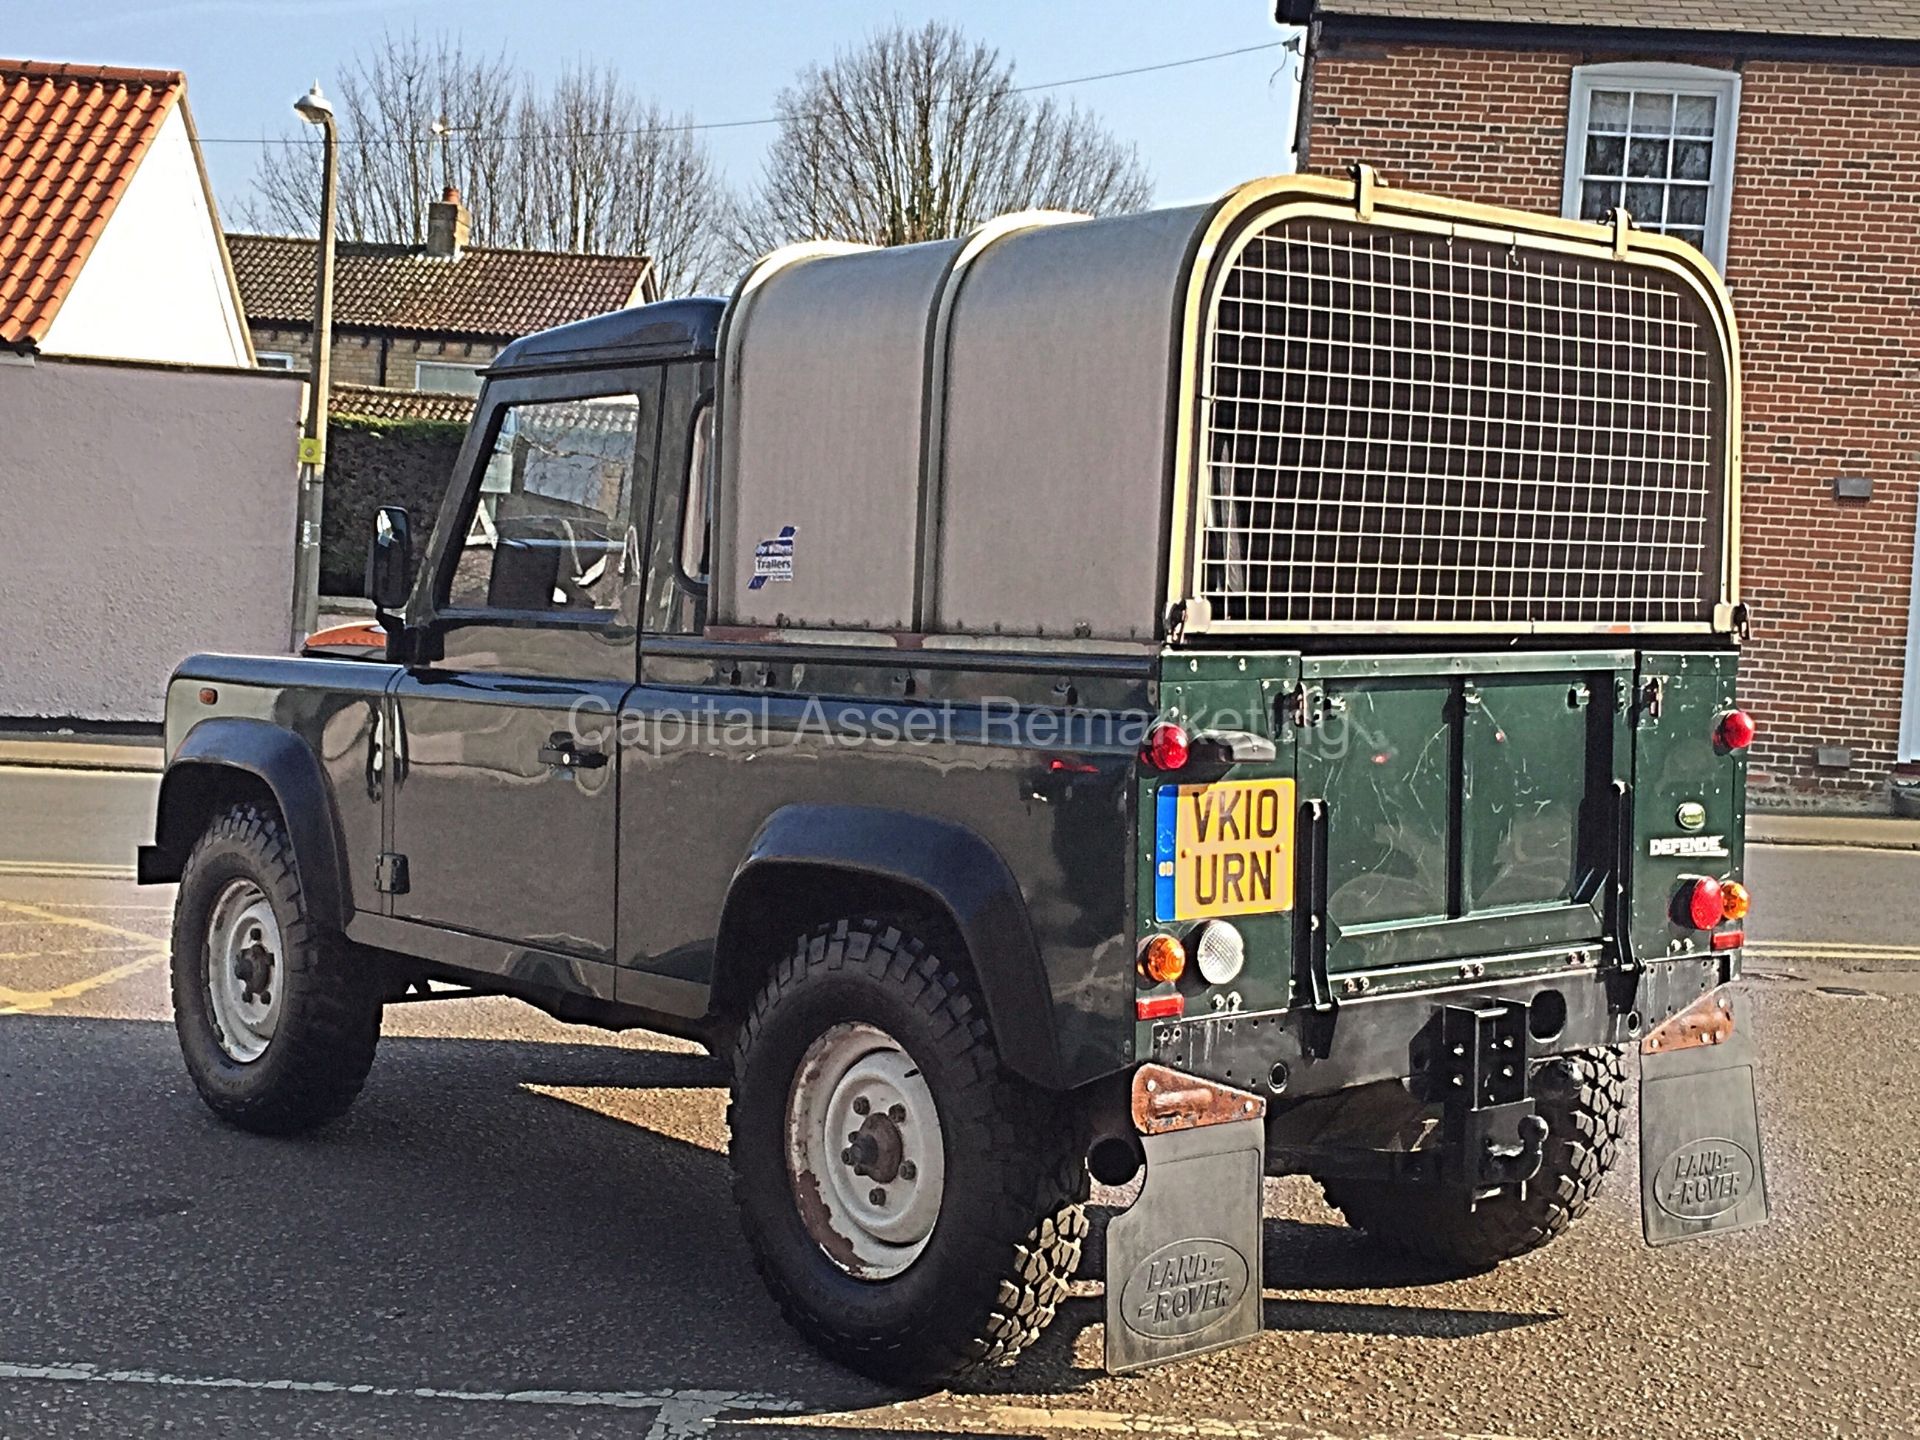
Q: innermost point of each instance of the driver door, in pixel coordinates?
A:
(505, 811)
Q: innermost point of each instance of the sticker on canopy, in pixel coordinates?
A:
(773, 560)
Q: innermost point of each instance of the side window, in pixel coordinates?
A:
(552, 524)
(676, 598)
(694, 529)
(1658, 140)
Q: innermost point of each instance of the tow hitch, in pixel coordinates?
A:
(1494, 1138)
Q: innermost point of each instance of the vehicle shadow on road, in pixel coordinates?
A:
(493, 1213)
(1297, 1256)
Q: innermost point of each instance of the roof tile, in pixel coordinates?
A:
(1857, 19)
(485, 292)
(376, 402)
(73, 137)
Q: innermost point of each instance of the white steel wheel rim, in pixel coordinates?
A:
(246, 970)
(864, 1151)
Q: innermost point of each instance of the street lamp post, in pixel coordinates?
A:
(316, 109)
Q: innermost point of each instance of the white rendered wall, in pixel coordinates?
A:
(149, 514)
(155, 286)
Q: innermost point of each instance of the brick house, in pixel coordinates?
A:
(422, 317)
(1783, 138)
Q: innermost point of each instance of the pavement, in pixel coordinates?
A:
(524, 1229)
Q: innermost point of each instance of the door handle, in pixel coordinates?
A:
(563, 750)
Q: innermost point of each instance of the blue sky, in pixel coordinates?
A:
(1199, 128)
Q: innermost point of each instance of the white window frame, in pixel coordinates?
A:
(274, 359)
(472, 369)
(1723, 85)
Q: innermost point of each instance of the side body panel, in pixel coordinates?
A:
(334, 710)
(1034, 758)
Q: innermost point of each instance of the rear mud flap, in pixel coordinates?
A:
(1701, 1171)
(1183, 1263)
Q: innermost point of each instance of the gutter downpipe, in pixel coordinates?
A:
(1303, 101)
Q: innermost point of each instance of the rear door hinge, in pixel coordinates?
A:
(390, 874)
(1308, 706)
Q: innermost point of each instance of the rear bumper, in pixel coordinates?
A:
(1350, 1084)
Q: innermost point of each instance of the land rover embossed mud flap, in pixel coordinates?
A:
(1183, 1263)
(1700, 1167)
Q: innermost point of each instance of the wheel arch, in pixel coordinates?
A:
(230, 758)
(813, 863)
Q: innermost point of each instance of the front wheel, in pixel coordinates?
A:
(277, 1023)
(913, 1208)
(1583, 1099)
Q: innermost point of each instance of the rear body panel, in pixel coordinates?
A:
(1467, 824)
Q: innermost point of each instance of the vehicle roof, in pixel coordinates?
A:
(664, 330)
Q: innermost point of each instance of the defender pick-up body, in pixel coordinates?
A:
(1339, 583)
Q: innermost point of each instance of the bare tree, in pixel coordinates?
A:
(581, 164)
(921, 134)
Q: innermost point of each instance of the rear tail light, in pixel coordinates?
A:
(1735, 730)
(1703, 904)
(1167, 747)
(1734, 900)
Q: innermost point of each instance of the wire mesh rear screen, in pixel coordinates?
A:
(1406, 428)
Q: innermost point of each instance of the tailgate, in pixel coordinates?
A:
(1469, 803)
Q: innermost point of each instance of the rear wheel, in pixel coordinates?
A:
(1583, 1099)
(276, 1022)
(913, 1208)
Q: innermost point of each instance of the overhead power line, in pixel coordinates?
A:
(779, 119)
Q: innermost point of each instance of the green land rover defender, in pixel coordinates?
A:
(1239, 690)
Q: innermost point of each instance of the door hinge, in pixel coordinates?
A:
(1308, 706)
(390, 874)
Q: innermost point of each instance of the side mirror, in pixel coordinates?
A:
(390, 560)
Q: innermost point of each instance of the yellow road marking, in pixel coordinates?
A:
(18, 1002)
(80, 922)
(65, 870)
(1844, 949)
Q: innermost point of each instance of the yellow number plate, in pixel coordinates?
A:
(1224, 849)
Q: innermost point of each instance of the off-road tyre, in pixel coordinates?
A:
(1011, 1224)
(317, 1059)
(1583, 1099)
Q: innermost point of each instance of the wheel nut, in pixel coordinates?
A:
(909, 1170)
(877, 1196)
(896, 1113)
(860, 1105)
(846, 1156)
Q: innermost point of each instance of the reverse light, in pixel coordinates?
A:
(1735, 730)
(1163, 960)
(1703, 904)
(1734, 900)
(1219, 952)
(1167, 747)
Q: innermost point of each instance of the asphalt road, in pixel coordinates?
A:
(523, 1229)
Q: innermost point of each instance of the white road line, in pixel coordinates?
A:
(690, 1414)
(955, 1418)
(679, 1414)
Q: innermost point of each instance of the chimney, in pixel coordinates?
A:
(447, 226)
